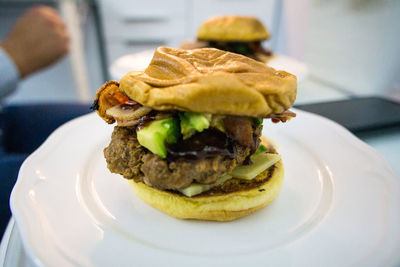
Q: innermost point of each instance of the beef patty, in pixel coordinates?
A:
(127, 157)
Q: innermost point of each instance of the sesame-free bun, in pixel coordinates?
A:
(217, 205)
(212, 81)
(232, 28)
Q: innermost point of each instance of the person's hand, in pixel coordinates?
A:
(37, 40)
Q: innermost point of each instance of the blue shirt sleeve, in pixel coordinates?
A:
(9, 75)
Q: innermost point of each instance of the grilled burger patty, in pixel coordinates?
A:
(127, 157)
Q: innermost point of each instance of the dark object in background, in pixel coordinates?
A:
(9, 167)
(359, 114)
(24, 128)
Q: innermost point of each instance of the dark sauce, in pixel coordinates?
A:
(256, 140)
(207, 144)
(130, 106)
(151, 116)
(146, 119)
(247, 160)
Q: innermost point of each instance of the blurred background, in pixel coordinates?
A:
(343, 50)
(349, 47)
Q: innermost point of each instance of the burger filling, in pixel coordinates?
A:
(160, 157)
(249, 49)
(184, 152)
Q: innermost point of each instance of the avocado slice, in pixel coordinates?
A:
(193, 122)
(260, 149)
(217, 121)
(259, 121)
(156, 134)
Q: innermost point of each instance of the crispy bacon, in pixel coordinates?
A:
(123, 99)
(114, 105)
(103, 101)
(240, 129)
(282, 117)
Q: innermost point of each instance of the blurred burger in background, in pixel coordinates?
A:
(237, 34)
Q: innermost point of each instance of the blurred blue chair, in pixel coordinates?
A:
(23, 129)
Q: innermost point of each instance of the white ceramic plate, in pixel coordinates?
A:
(140, 61)
(339, 206)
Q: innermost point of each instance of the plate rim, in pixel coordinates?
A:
(17, 205)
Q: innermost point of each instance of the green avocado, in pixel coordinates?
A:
(260, 149)
(193, 122)
(217, 122)
(157, 134)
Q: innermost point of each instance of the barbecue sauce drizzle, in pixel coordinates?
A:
(207, 144)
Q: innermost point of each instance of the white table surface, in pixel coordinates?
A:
(386, 142)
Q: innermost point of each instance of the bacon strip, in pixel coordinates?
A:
(240, 129)
(283, 117)
(123, 99)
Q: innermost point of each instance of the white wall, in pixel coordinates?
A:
(349, 44)
(354, 44)
(134, 25)
(293, 27)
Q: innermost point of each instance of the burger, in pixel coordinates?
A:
(238, 34)
(188, 132)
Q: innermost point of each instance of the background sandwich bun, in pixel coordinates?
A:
(233, 28)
